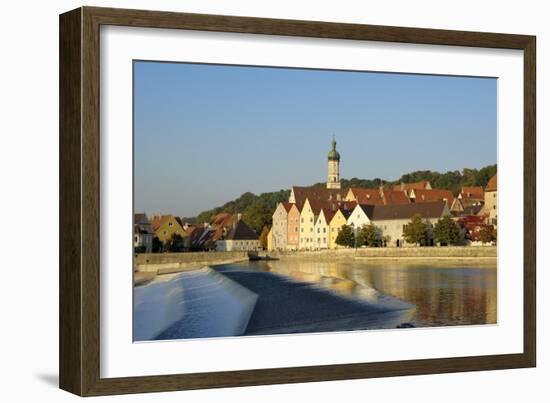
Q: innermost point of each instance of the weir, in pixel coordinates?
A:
(228, 302)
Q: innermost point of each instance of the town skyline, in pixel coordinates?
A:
(187, 161)
(289, 188)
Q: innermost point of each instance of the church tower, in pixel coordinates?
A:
(333, 180)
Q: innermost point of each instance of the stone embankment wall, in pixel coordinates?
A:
(438, 253)
(164, 263)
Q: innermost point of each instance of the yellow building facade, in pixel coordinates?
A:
(307, 227)
(321, 230)
(335, 224)
(168, 225)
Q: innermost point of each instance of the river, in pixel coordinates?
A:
(443, 294)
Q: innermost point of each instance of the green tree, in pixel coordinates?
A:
(263, 237)
(446, 231)
(257, 215)
(257, 210)
(416, 231)
(487, 234)
(175, 243)
(345, 237)
(157, 245)
(368, 235)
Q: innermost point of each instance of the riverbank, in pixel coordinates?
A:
(166, 263)
(150, 265)
(443, 253)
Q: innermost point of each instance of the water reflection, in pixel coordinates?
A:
(444, 295)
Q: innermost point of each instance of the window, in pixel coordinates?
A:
(324, 230)
(170, 224)
(324, 240)
(318, 230)
(302, 230)
(302, 219)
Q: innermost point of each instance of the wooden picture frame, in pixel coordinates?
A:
(79, 279)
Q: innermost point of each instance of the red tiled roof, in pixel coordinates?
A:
(157, 221)
(367, 196)
(379, 196)
(395, 197)
(411, 186)
(406, 211)
(428, 195)
(301, 193)
(472, 192)
(329, 213)
(287, 206)
(492, 184)
(192, 227)
(220, 222)
(317, 205)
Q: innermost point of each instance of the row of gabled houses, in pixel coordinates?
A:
(168, 233)
(313, 216)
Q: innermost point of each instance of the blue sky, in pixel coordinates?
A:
(205, 134)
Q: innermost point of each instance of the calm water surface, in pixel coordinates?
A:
(444, 295)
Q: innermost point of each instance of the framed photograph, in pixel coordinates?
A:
(248, 201)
